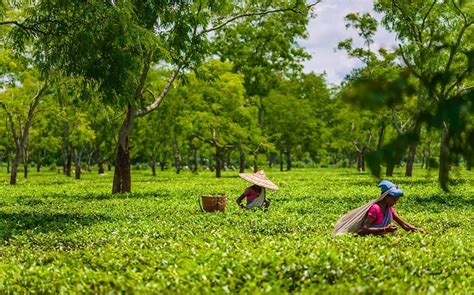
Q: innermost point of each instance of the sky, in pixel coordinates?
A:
(328, 28)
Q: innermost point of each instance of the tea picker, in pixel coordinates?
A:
(376, 217)
(255, 194)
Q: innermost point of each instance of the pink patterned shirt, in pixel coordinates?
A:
(251, 195)
(376, 212)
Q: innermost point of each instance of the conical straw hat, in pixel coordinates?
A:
(259, 178)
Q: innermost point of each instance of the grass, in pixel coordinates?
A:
(61, 235)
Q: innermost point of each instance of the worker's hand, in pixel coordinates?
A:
(391, 228)
(421, 230)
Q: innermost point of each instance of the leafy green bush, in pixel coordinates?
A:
(60, 235)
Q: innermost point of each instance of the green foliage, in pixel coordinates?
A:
(260, 52)
(220, 116)
(298, 112)
(384, 89)
(110, 43)
(61, 235)
(366, 26)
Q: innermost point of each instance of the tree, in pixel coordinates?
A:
(437, 48)
(19, 101)
(290, 119)
(220, 116)
(45, 139)
(384, 86)
(357, 91)
(262, 53)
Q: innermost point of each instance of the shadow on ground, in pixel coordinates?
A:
(19, 222)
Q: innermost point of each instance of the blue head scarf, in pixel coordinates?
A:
(395, 192)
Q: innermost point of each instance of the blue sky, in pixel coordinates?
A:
(328, 28)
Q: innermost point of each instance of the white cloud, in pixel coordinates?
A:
(328, 29)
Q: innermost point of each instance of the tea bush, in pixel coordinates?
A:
(60, 235)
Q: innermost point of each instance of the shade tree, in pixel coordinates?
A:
(219, 116)
(436, 45)
(19, 101)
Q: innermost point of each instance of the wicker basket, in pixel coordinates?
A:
(213, 202)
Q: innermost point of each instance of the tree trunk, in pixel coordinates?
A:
(444, 162)
(349, 158)
(101, 167)
(25, 170)
(288, 160)
(177, 160)
(410, 160)
(68, 164)
(218, 162)
(78, 170)
(89, 161)
(66, 150)
(381, 137)
(390, 168)
(255, 163)
(427, 155)
(39, 161)
(100, 161)
(360, 161)
(195, 160)
(153, 165)
(260, 112)
(271, 160)
(15, 163)
(281, 159)
(77, 164)
(413, 145)
(25, 161)
(228, 163)
(122, 175)
(211, 165)
(241, 161)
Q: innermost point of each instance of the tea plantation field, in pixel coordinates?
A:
(60, 235)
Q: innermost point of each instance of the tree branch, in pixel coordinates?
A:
(458, 80)
(158, 99)
(427, 14)
(22, 26)
(460, 11)
(31, 111)
(143, 76)
(464, 89)
(410, 21)
(12, 123)
(261, 13)
(453, 52)
(408, 64)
